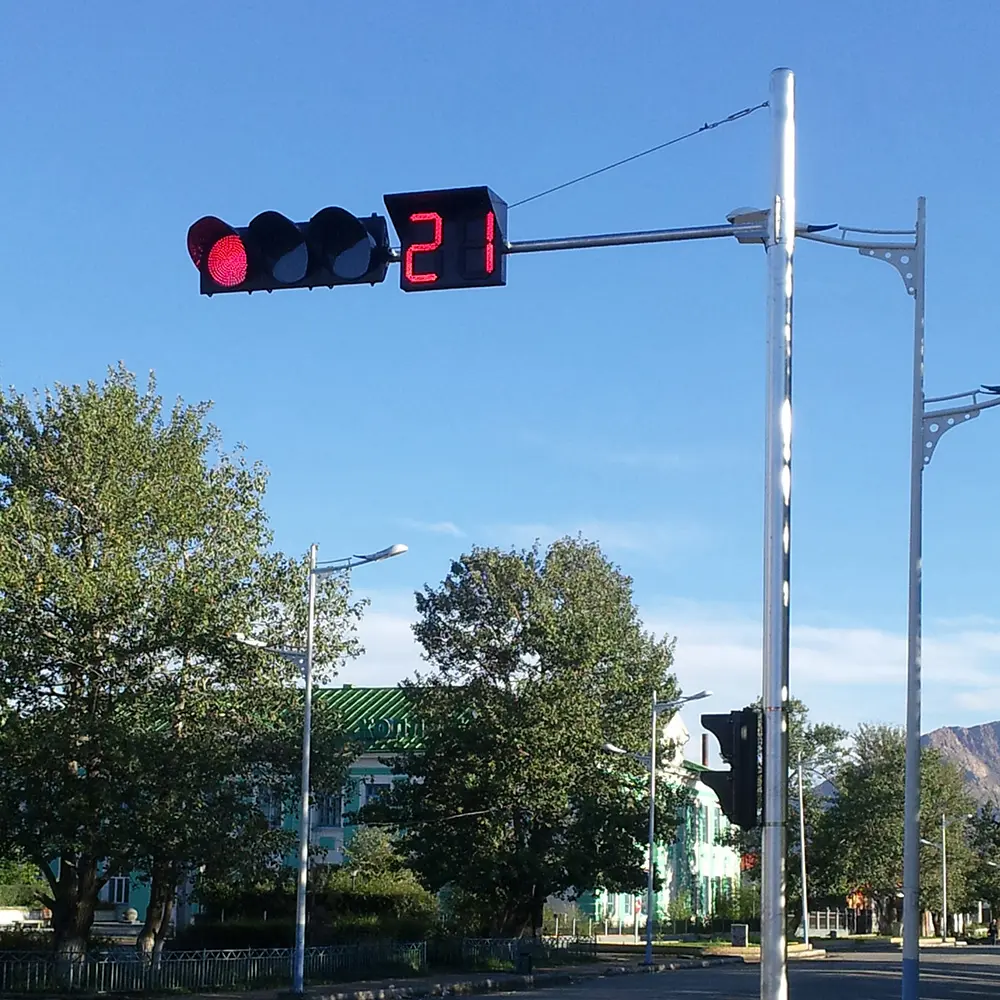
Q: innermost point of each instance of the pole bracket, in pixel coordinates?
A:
(898, 253)
(901, 258)
(938, 422)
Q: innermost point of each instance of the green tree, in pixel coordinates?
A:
(859, 843)
(984, 838)
(540, 660)
(821, 748)
(372, 852)
(132, 551)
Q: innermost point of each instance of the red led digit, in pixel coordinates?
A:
(431, 276)
(491, 220)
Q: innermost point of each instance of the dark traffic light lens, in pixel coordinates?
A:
(227, 261)
(282, 246)
(342, 242)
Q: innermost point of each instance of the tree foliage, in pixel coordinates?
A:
(984, 838)
(539, 660)
(820, 746)
(859, 844)
(133, 551)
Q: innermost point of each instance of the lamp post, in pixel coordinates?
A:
(943, 846)
(649, 760)
(904, 250)
(306, 660)
(802, 858)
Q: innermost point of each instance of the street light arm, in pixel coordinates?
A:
(349, 562)
(935, 423)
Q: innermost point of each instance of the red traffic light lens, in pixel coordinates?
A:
(227, 261)
(217, 249)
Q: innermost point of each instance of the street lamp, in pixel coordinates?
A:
(305, 659)
(943, 847)
(802, 858)
(649, 760)
(904, 250)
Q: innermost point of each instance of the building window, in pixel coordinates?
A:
(116, 890)
(328, 809)
(269, 800)
(701, 824)
(374, 792)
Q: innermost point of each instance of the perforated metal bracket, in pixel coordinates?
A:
(902, 259)
(936, 425)
(940, 421)
(897, 247)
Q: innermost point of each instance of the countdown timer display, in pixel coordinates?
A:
(450, 239)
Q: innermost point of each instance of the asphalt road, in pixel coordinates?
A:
(962, 974)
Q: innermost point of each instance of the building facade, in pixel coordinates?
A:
(696, 866)
(698, 869)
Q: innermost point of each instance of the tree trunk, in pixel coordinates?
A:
(162, 889)
(163, 930)
(73, 902)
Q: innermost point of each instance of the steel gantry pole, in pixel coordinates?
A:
(777, 534)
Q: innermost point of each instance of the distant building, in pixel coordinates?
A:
(697, 869)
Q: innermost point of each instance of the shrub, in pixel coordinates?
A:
(17, 939)
(21, 895)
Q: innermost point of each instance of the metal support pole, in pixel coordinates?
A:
(802, 858)
(777, 510)
(944, 878)
(299, 965)
(911, 796)
(652, 833)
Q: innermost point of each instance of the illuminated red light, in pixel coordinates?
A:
(491, 221)
(227, 261)
(431, 276)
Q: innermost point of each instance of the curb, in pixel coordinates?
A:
(510, 982)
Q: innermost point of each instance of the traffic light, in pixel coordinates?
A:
(333, 248)
(737, 787)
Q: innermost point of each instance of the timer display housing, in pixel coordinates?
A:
(453, 238)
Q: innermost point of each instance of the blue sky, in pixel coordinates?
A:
(616, 392)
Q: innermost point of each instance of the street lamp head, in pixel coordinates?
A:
(611, 748)
(929, 843)
(669, 706)
(994, 389)
(340, 565)
(393, 550)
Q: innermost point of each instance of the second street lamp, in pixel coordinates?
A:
(650, 762)
(305, 659)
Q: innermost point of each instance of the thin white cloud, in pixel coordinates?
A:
(433, 527)
(845, 674)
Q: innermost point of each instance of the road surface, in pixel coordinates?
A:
(962, 974)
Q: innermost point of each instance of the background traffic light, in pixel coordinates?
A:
(737, 787)
(333, 248)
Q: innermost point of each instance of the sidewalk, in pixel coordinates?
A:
(468, 984)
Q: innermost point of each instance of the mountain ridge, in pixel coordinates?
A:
(975, 750)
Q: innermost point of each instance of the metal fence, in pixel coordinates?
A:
(124, 971)
(503, 953)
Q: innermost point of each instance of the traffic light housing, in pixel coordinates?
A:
(333, 248)
(737, 787)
